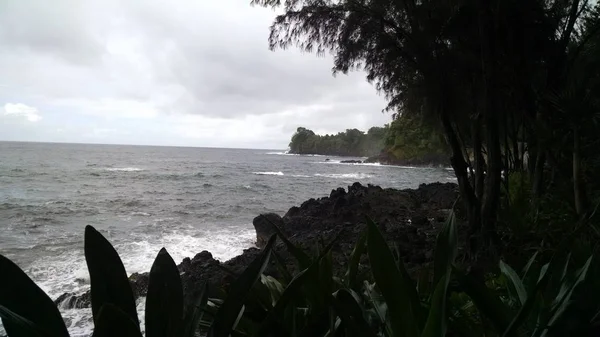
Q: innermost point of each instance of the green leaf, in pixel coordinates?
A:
(292, 293)
(564, 301)
(515, 281)
(526, 309)
(436, 324)
(446, 249)
(17, 325)
(229, 311)
(108, 279)
(348, 308)
(354, 262)
(527, 267)
(394, 286)
(112, 321)
(485, 299)
(303, 259)
(325, 277)
(379, 307)
(164, 300)
(282, 267)
(194, 313)
(24, 306)
(274, 287)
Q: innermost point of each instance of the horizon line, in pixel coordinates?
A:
(146, 145)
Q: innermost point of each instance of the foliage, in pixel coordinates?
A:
(351, 142)
(406, 140)
(27, 311)
(513, 86)
(410, 139)
(547, 300)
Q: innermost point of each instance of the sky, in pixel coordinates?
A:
(159, 72)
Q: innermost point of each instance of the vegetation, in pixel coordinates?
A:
(405, 140)
(545, 300)
(351, 142)
(512, 85)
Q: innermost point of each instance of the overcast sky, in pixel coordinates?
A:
(185, 72)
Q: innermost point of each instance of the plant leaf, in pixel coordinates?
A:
(194, 313)
(164, 300)
(525, 310)
(303, 259)
(112, 321)
(485, 299)
(17, 325)
(108, 279)
(24, 306)
(516, 282)
(355, 256)
(565, 300)
(291, 293)
(446, 249)
(436, 320)
(395, 288)
(347, 307)
(379, 306)
(228, 313)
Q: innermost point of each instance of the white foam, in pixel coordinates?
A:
(286, 153)
(358, 175)
(269, 173)
(67, 272)
(123, 169)
(339, 162)
(300, 176)
(282, 153)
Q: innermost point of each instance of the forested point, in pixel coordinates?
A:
(404, 141)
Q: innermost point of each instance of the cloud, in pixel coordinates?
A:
(22, 110)
(160, 73)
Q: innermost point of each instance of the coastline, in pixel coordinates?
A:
(410, 218)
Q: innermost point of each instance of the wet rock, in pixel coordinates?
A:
(351, 161)
(263, 224)
(316, 222)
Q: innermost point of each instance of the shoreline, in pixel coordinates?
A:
(409, 217)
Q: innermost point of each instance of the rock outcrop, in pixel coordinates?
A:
(409, 218)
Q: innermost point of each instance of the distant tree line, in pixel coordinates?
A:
(352, 142)
(406, 140)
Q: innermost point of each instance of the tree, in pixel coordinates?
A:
(475, 69)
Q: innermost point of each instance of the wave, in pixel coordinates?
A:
(358, 175)
(339, 162)
(285, 153)
(68, 272)
(269, 173)
(123, 169)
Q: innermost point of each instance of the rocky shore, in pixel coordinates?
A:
(386, 158)
(409, 218)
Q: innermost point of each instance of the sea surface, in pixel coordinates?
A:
(144, 198)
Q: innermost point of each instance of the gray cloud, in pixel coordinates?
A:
(158, 68)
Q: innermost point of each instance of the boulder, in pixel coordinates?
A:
(409, 219)
(263, 224)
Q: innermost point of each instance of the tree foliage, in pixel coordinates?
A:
(512, 85)
(351, 142)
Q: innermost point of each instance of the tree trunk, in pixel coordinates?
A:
(578, 188)
(466, 190)
(491, 90)
(478, 157)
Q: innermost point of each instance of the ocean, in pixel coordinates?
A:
(143, 198)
